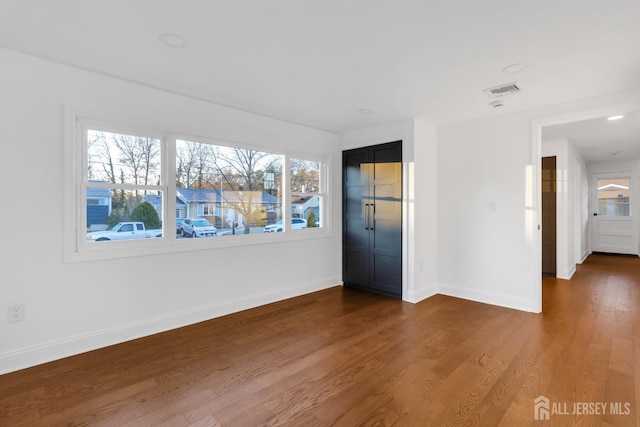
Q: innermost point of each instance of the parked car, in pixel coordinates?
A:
(124, 231)
(179, 222)
(198, 227)
(296, 223)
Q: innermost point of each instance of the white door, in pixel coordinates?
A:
(613, 224)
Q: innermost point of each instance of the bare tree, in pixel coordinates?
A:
(150, 150)
(305, 175)
(138, 156)
(123, 159)
(193, 164)
(243, 171)
(101, 165)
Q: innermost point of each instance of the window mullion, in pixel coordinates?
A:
(286, 194)
(168, 179)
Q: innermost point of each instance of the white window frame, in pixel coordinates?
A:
(321, 194)
(76, 249)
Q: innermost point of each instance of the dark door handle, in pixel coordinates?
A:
(372, 208)
(366, 216)
(595, 214)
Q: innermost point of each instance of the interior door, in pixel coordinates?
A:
(372, 219)
(613, 225)
(549, 215)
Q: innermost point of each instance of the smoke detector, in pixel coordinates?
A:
(502, 90)
(497, 104)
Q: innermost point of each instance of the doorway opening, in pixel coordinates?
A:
(573, 216)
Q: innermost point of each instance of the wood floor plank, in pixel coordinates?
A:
(343, 357)
(207, 421)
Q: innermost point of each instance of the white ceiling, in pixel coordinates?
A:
(600, 140)
(319, 62)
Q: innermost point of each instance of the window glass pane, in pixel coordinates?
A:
(123, 159)
(305, 189)
(238, 190)
(306, 208)
(613, 197)
(305, 176)
(118, 214)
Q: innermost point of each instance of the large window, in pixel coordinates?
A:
(129, 186)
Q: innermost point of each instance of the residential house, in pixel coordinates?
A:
(301, 206)
(98, 207)
(223, 208)
(156, 202)
(199, 203)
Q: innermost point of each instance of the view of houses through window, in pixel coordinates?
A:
(306, 197)
(613, 197)
(220, 190)
(123, 176)
(238, 190)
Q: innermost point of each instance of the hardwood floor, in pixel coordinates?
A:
(347, 358)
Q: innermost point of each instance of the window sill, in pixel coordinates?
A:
(97, 251)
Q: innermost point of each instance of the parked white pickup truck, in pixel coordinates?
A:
(124, 231)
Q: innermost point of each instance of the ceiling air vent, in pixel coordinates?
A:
(502, 90)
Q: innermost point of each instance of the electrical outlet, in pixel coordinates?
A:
(16, 313)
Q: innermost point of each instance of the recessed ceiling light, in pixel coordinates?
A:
(514, 68)
(618, 117)
(172, 40)
(365, 111)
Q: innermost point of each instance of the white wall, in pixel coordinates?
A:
(581, 216)
(419, 273)
(488, 242)
(425, 198)
(71, 308)
(484, 245)
(571, 198)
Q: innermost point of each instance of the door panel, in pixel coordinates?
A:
(614, 227)
(386, 248)
(355, 240)
(386, 273)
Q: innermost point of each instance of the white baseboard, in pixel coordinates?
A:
(420, 295)
(584, 257)
(566, 275)
(47, 352)
(492, 298)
